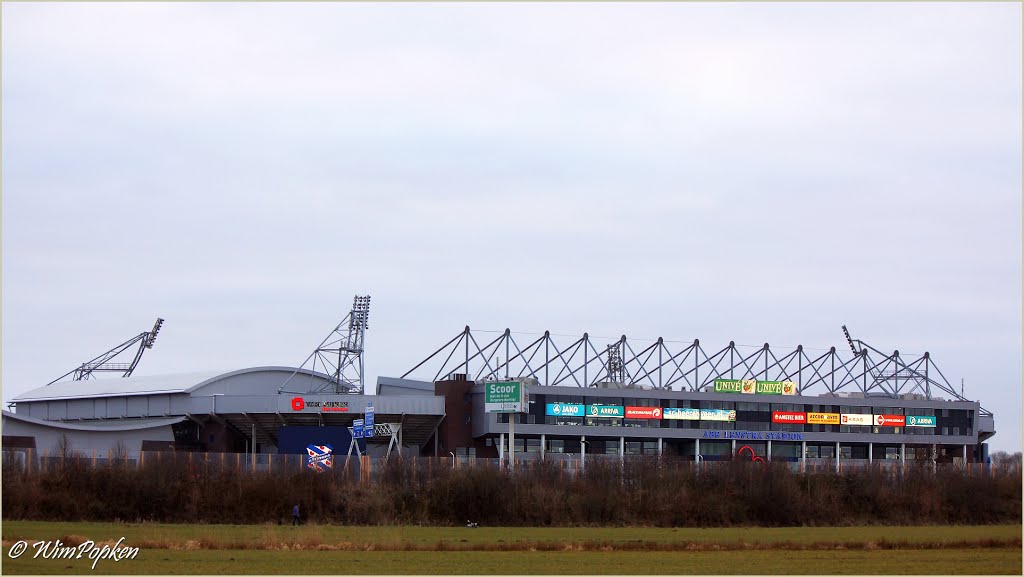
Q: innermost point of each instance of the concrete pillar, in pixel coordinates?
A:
(696, 449)
(965, 454)
(903, 456)
(501, 449)
(803, 456)
(622, 449)
(837, 456)
(734, 447)
(659, 446)
(768, 453)
(871, 450)
(583, 452)
(542, 441)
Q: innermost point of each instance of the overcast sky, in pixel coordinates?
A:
(749, 172)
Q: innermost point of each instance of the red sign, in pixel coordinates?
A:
(643, 412)
(890, 420)
(788, 417)
(298, 404)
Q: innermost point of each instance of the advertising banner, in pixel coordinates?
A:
(505, 397)
(789, 417)
(680, 414)
(643, 412)
(727, 386)
(563, 410)
(751, 387)
(920, 421)
(855, 419)
(890, 420)
(615, 411)
(823, 418)
(717, 415)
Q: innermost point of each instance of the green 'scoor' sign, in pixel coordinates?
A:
(504, 397)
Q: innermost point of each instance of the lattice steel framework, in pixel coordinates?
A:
(340, 355)
(668, 366)
(103, 364)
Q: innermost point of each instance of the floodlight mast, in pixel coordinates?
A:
(340, 355)
(102, 364)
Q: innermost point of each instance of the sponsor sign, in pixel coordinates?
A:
(717, 415)
(681, 414)
(920, 421)
(728, 385)
(505, 397)
(752, 435)
(357, 429)
(789, 417)
(643, 412)
(856, 419)
(616, 411)
(300, 404)
(563, 410)
(368, 427)
(321, 457)
(750, 387)
(890, 420)
(823, 418)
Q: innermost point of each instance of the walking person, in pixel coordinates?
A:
(295, 515)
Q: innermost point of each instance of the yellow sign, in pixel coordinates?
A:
(823, 418)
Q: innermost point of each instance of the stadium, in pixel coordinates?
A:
(575, 401)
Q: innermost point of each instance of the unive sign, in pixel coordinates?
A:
(751, 387)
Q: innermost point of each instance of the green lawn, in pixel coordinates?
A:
(431, 536)
(945, 562)
(271, 549)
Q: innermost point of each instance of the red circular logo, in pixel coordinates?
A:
(298, 404)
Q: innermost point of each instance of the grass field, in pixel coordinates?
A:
(322, 549)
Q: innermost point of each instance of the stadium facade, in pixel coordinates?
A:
(617, 409)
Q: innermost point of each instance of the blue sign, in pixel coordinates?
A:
(357, 429)
(616, 411)
(563, 410)
(368, 426)
(752, 435)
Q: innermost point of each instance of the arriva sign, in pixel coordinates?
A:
(505, 397)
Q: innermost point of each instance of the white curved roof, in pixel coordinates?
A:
(140, 385)
(98, 426)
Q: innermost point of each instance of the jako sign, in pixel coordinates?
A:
(563, 410)
(505, 397)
